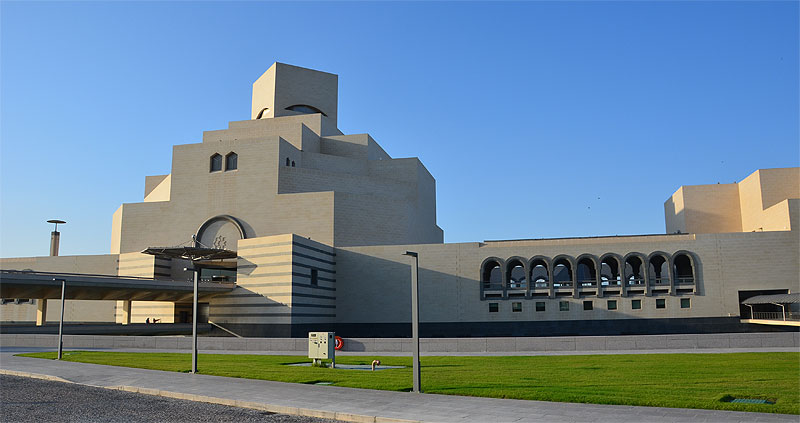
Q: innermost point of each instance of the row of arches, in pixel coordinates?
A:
(231, 162)
(589, 271)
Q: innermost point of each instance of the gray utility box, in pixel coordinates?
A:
(321, 345)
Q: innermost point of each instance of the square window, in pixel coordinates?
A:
(516, 307)
(563, 306)
(636, 304)
(661, 303)
(612, 304)
(493, 307)
(686, 303)
(540, 306)
(587, 305)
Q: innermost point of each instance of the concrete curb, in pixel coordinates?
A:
(33, 376)
(307, 412)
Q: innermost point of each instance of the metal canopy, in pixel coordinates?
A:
(191, 253)
(30, 284)
(773, 299)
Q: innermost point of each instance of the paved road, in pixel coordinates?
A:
(33, 400)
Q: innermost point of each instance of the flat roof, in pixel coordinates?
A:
(583, 237)
(30, 284)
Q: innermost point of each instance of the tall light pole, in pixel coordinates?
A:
(415, 318)
(61, 320)
(196, 253)
(194, 319)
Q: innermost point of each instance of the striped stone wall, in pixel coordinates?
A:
(275, 287)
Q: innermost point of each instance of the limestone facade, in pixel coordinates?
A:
(320, 221)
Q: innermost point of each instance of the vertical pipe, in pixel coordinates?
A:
(61, 320)
(55, 236)
(194, 323)
(415, 321)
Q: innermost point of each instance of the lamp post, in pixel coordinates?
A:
(61, 320)
(415, 318)
(194, 317)
(195, 253)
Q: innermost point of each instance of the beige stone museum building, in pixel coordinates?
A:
(320, 221)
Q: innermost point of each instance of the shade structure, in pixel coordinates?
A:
(773, 299)
(191, 253)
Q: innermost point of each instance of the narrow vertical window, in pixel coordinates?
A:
(216, 163)
(292, 163)
(231, 161)
(314, 277)
(287, 161)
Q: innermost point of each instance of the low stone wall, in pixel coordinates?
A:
(427, 345)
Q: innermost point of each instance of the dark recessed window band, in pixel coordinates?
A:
(286, 263)
(332, 263)
(271, 315)
(297, 294)
(299, 285)
(314, 249)
(306, 256)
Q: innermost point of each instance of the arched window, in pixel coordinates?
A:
(683, 269)
(292, 163)
(562, 273)
(261, 113)
(231, 161)
(492, 275)
(216, 163)
(633, 271)
(305, 109)
(609, 271)
(587, 274)
(658, 270)
(516, 275)
(540, 276)
(287, 161)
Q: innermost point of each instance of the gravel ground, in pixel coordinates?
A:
(34, 400)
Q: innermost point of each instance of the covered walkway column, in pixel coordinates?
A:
(126, 312)
(41, 311)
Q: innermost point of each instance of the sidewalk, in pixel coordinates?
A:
(360, 405)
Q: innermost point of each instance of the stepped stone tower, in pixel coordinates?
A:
(286, 170)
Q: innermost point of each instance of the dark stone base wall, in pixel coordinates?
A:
(427, 330)
(492, 329)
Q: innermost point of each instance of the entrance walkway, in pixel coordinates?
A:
(359, 405)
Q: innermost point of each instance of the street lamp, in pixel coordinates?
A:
(194, 253)
(61, 320)
(415, 318)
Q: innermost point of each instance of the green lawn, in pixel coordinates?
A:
(665, 380)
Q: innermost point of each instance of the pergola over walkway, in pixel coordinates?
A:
(47, 285)
(782, 300)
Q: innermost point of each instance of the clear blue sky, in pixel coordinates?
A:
(537, 119)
